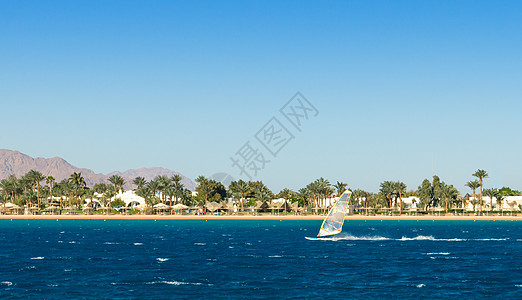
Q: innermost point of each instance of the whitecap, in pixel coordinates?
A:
(518, 285)
(174, 282)
(37, 258)
(72, 242)
(110, 243)
(138, 244)
(8, 283)
(428, 238)
(351, 238)
(200, 244)
(275, 256)
(501, 239)
(438, 253)
(421, 285)
(162, 259)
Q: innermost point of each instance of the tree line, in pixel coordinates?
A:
(33, 190)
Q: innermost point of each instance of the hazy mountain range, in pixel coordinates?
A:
(14, 162)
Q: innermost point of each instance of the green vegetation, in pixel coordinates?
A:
(37, 193)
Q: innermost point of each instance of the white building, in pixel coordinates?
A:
(131, 199)
(509, 203)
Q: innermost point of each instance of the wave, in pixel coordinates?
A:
(421, 285)
(352, 238)
(138, 244)
(200, 244)
(174, 282)
(37, 258)
(162, 259)
(439, 253)
(428, 238)
(8, 283)
(348, 237)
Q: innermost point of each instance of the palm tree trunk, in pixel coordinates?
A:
(481, 195)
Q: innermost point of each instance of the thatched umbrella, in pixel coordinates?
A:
(213, 206)
(179, 207)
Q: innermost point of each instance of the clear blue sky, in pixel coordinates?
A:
(402, 87)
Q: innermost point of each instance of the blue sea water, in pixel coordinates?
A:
(258, 259)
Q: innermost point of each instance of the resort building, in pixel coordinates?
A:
(131, 199)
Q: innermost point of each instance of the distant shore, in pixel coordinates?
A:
(262, 217)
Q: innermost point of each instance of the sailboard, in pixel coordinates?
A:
(333, 223)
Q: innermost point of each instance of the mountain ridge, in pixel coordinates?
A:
(17, 163)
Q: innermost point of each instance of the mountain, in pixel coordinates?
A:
(14, 162)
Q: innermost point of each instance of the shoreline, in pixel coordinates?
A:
(251, 217)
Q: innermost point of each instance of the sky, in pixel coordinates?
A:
(400, 90)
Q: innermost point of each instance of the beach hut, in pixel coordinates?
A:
(9, 207)
(260, 206)
(294, 207)
(213, 206)
(180, 207)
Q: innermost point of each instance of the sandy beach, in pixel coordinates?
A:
(262, 217)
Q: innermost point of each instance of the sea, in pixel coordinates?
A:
(258, 259)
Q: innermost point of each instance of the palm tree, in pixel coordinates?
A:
(491, 193)
(500, 200)
(36, 177)
(387, 191)
(164, 185)
(473, 185)
(203, 190)
(481, 174)
(101, 188)
(50, 181)
(154, 187)
(241, 188)
(117, 181)
(449, 194)
(140, 182)
(399, 188)
(78, 184)
(340, 187)
(177, 186)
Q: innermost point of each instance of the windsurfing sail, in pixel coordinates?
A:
(333, 223)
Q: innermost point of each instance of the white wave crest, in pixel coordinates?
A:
(138, 244)
(421, 285)
(438, 253)
(174, 282)
(428, 238)
(8, 283)
(162, 259)
(200, 244)
(275, 256)
(348, 237)
(37, 258)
